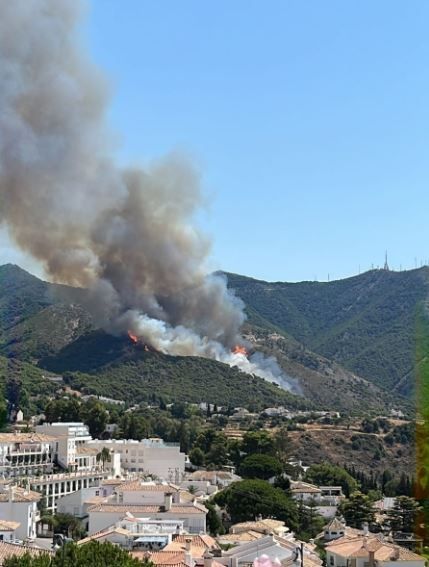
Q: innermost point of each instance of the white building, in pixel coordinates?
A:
(138, 533)
(149, 456)
(23, 454)
(55, 486)
(149, 503)
(370, 551)
(8, 530)
(77, 503)
(285, 551)
(70, 439)
(20, 506)
(304, 491)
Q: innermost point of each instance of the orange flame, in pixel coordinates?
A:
(239, 350)
(134, 338)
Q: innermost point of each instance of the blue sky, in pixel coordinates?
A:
(308, 120)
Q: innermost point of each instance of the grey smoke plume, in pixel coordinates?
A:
(126, 234)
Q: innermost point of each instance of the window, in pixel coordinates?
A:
(331, 560)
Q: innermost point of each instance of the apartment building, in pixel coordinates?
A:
(148, 456)
(25, 454)
(54, 486)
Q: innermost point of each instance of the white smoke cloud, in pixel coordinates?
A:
(126, 234)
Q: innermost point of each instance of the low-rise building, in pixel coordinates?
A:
(8, 530)
(19, 505)
(138, 533)
(369, 550)
(276, 549)
(304, 491)
(192, 515)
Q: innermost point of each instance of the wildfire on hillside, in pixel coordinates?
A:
(133, 337)
(238, 349)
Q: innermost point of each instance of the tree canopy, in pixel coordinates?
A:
(89, 555)
(260, 466)
(357, 510)
(331, 475)
(245, 500)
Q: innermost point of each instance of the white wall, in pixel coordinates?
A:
(25, 513)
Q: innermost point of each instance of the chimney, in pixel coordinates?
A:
(168, 501)
(188, 543)
(365, 528)
(208, 559)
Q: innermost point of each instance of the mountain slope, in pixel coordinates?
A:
(365, 323)
(40, 326)
(46, 325)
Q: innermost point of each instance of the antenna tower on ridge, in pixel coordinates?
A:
(386, 265)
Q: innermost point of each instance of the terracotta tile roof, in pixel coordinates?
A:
(8, 526)
(25, 438)
(362, 545)
(249, 535)
(12, 549)
(258, 525)
(212, 475)
(334, 524)
(138, 485)
(299, 487)
(103, 533)
(97, 500)
(112, 482)
(147, 509)
(20, 495)
(199, 544)
(164, 558)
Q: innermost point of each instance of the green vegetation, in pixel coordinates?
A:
(42, 326)
(366, 323)
(403, 516)
(248, 498)
(357, 510)
(326, 474)
(260, 466)
(72, 555)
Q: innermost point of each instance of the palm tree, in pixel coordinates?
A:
(103, 456)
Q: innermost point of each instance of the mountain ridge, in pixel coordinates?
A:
(42, 327)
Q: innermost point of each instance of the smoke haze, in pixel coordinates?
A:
(125, 234)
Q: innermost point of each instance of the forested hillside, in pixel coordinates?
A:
(365, 323)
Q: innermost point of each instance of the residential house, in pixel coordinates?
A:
(19, 505)
(285, 551)
(304, 491)
(8, 530)
(192, 515)
(369, 550)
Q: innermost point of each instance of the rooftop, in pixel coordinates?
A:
(18, 494)
(25, 438)
(14, 550)
(139, 485)
(199, 544)
(361, 546)
(148, 509)
(8, 526)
